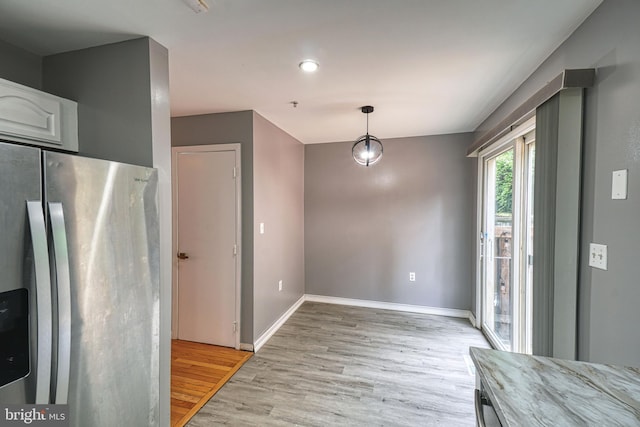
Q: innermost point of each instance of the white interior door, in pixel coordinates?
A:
(207, 219)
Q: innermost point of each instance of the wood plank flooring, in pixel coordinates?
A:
(332, 365)
(197, 373)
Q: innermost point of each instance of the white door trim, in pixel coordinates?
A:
(238, 185)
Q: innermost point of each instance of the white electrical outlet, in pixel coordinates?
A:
(598, 256)
(262, 228)
(280, 285)
(412, 276)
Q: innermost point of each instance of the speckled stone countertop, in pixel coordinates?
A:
(540, 391)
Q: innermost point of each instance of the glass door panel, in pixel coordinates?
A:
(506, 246)
(499, 290)
(528, 264)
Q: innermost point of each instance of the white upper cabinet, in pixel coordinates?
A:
(34, 117)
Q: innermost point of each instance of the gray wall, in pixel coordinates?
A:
(278, 185)
(225, 128)
(20, 66)
(112, 87)
(161, 137)
(473, 220)
(608, 41)
(367, 228)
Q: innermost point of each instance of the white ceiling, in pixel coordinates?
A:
(427, 66)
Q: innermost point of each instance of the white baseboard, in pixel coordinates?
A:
(449, 312)
(246, 347)
(472, 319)
(274, 328)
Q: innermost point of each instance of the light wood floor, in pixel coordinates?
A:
(332, 365)
(197, 373)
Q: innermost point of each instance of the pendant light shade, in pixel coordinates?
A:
(367, 150)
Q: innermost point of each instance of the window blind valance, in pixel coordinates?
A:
(568, 79)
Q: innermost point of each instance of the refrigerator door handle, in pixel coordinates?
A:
(61, 263)
(43, 300)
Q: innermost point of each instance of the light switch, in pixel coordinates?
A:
(619, 185)
(262, 228)
(598, 256)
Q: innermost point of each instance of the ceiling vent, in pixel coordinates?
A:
(198, 6)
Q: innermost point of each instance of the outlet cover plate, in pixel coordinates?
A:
(412, 276)
(619, 185)
(598, 256)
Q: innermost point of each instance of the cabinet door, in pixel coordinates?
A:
(31, 116)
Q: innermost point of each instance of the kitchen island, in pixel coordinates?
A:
(529, 390)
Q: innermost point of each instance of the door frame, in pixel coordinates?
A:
(235, 147)
(481, 255)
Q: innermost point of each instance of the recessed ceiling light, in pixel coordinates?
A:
(308, 66)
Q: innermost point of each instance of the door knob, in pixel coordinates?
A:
(182, 255)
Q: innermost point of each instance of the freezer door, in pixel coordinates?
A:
(111, 225)
(19, 320)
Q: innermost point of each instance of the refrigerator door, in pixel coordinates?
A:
(111, 226)
(25, 290)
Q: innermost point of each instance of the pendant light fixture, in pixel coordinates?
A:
(367, 150)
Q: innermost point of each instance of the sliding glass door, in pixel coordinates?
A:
(507, 231)
(498, 295)
(530, 159)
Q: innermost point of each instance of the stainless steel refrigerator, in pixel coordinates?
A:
(79, 286)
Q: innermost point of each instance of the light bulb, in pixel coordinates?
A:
(308, 66)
